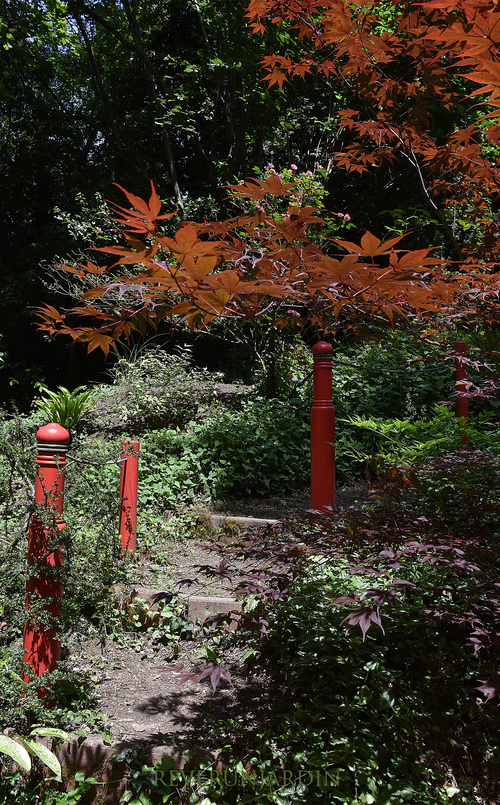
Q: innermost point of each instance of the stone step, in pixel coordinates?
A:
(242, 523)
(227, 527)
(198, 606)
(201, 606)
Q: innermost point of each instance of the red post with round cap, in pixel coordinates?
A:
(129, 479)
(322, 430)
(461, 387)
(42, 649)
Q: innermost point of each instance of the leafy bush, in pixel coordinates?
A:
(398, 377)
(378, 713)
(385, 624)
(373, 443)
(67, 408)
(462, 488)
(170, 472)
(261, 449)
(152, 390)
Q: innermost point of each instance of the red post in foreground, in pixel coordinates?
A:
(42, 649)
(129, 479)
(322, 430)
(461, 387)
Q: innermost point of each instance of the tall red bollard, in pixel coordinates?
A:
(322, 430)
(42, 649)
(461, 387)
(129, 479)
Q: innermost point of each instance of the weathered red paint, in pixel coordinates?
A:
(42, 649)
(129, 479)
(322, 430)
(461, 387)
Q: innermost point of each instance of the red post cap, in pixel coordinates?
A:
(52, 434)
(322, 348)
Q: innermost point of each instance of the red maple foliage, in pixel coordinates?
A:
(400, 62)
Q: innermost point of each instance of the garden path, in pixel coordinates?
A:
(137, 683)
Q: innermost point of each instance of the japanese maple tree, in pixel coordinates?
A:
(402, 64)
(399, 62)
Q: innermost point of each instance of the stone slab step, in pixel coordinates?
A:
(198, 606)
(201, 606)
(243, 523)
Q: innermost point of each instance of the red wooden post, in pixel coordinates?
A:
(42, 649)
(128, 495)
(461, 387)
(322, 430)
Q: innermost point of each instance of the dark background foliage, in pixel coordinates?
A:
(94, 93)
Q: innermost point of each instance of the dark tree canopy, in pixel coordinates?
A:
(93, 93)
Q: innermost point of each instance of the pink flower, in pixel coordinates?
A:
(293, 167)
(347, 217)
(294, 313)
(270, 167)
(340, 215)
(318, 166)
(259, 208)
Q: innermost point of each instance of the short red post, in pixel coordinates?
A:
(322, 430)
(129, 479)
(42, 649)
(461, 388)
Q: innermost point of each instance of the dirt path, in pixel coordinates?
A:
(137, 684)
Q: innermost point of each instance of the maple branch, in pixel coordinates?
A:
(304, 20)
(412, 159)
(372, 284)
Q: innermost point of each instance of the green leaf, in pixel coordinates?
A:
(17, 752)
(45, 755)
(51, 732)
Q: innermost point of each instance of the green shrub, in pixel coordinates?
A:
(398, 377)
(379, 713)
(261, 449)
(372, 443)
(153, 390)
(171, 475)
(462, 488)
(67, 408)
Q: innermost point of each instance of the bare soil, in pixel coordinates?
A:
(137, 684)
